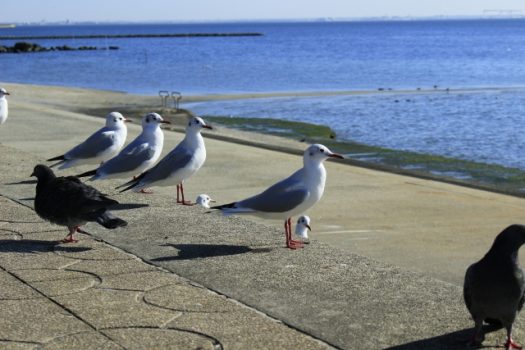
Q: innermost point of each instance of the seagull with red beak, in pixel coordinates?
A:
(291, 196)
(178, 165)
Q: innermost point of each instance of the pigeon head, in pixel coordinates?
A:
(302, 226)
(3, 92)
(152, 121)
(204, 200)
(43, 173)
(115, 119)
(197, 124)
(318, 153)
(509, 240)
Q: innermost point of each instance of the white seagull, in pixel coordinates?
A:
(178, 165)
(3, 105)
(302, 227)
(291, 196)
(136, 157)
(204, 201)
(104, 144)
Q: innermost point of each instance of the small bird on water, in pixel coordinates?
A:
(494, 286)
(102, 145)
(3, 105)
(66, 201)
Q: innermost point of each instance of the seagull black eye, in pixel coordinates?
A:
(322, 150)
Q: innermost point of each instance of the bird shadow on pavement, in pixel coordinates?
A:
(454, 340)
(195, 251)
(36, 246)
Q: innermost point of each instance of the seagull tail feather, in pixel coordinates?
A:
(224, 206)
(110, 221)
(57, 158)
(57, 163)
(132, 183)
(88, 173)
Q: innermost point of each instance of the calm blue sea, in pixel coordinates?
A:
(319, 56)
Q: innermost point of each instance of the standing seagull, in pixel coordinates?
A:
(66, 201)
(181, 163)
(494, 286)
(291, 196)
(3, 105)
(136, 157)
(104, 144)
(302, 227)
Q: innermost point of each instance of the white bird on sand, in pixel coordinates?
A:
(204, 201)
(291, 196)
(178, 165)
(104, 144)
(302, 227)
(136, 157)
(3, 105)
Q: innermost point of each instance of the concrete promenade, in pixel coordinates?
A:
(384, 268)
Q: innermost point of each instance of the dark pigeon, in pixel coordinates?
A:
(494, 286)
(66, 201)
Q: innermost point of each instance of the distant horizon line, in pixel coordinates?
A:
(281, 20)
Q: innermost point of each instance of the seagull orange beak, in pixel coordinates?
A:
(308, 227)
(165, 122)
(126, 120)
(207, 127)
(336, 155)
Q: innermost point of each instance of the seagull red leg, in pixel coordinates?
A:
(287, 233)
(183, 202)
(290, 242)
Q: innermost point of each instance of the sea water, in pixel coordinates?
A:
(485, 56)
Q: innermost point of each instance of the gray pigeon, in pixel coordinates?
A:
(66, 201)
(494, 286)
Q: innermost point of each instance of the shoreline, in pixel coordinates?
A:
(488, 177)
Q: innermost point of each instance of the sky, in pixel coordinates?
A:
(17, 11)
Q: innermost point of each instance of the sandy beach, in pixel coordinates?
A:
(421, 225)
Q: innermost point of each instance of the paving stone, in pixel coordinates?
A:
(84, 341)
(140, 281)
(36, 320)
(13, 289)
(148, 338)
(182, 297)
(236, 329)
(109, 308)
